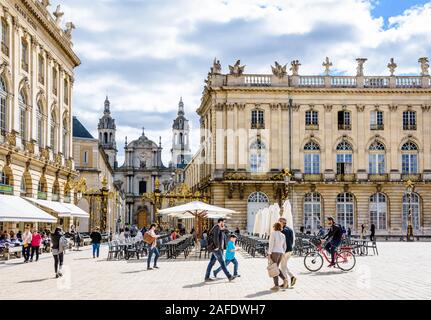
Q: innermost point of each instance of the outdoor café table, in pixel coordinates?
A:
(172, 245)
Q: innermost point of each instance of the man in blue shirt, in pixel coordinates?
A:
(230, 256)
(288, 234)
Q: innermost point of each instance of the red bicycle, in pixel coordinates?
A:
(344, 258)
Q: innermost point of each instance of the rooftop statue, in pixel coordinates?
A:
(295, 67)
(392, 66)
(279, 70)
(58, 14)
(237, 69)
(424, 66)
(360, 67)
(69, 28)
(46, 3)
(216, 68)
(327, 64)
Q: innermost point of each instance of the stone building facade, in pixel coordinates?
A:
(36, 80)
(350, 142)
(93, 164)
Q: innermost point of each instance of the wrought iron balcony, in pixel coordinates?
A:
(344, 126)
(313, 177)
(258, 125)
(377, 126)
(412, 177)
(311, 127)
(378, 177)
(347, 177)
(409, 127)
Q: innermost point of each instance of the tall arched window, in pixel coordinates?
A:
(105, 137)
(3, 108)
(378, 211)
(56, 191)
(312, 158)
(65, 137)
(345, 209)
(66, 91)
(257, 156)
(376, 158)
(39, 124)
(42, 188)
(22, 102)
(4, 37)
(412, 201)
(6, 180)
(344, 157)
(409, 158)
(54, 131)
(312, 209)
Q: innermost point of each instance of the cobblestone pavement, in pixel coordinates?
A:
(401, 271)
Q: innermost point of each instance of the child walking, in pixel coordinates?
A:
(230, 256)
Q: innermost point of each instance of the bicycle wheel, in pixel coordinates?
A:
(346, 260)
(313, 261)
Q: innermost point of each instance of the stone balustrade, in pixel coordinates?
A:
(310, 81)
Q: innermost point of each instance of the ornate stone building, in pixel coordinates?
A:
(103, 198)
(350, 142)
(36, 81)
(143, 164)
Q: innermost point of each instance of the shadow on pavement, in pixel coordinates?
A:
(259, 294)
(202, 284)
(35, 280)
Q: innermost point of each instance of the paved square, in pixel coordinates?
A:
(401, 271)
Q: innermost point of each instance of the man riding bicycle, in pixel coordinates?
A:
(333, 238)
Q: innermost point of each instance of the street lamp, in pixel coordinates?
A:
(409, 190)
(287, 175)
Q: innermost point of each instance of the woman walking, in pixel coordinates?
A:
(35, 244)
(96, 239)
(59, 243)
(153, 248)
(277, 247)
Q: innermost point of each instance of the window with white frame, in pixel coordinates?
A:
(378, 211)
(312, 209)
(22, 102)
(345, 209)
(344, 157)
(411, 203)
(409, 158)
(376, 158)
(24, 55)
(53, 132)
(311, 158)
(344, 120)
(376, 120)
(311, 118)
(3, 107)
(39, 124)
(257, 119)
(257, 156)
(4, 34)
(409, 120)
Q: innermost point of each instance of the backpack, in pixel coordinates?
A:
(62, 244)
(210, 240)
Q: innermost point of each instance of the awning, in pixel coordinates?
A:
(61, 208)
(76, 211)
(16, 209)
(55, 206)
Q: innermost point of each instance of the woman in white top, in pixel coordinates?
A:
(277, 247)
(153, 249)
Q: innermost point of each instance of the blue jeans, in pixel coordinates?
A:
(331, 247)
(217, 256)
(96, 249)
(156, 256)
(235, 267)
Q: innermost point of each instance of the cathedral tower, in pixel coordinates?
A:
(107, 130)
(181, 153)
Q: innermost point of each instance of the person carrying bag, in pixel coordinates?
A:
(277, 247)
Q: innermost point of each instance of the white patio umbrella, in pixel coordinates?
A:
(287, 214)
(265, 229)
(274, 214)
(257, 222)
(198, 210)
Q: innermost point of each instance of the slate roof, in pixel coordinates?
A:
(79, 131)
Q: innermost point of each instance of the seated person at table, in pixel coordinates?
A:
(173, 235)
(230, 256)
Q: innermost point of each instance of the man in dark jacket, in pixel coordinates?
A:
(333, 238)
(96, 239)
(216, 245)
(288, 234)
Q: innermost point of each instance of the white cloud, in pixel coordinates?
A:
(146, 53)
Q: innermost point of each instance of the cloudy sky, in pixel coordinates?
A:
(145, 54)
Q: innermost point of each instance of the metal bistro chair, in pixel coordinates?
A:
(203, 248)
(114, 250)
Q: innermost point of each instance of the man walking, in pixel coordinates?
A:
(216, 245)
(96, 239)
(26, 243)
(288, 234)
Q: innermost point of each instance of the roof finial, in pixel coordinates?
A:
(181, 107)
(125, 143)
(107, 104)
(160, 141)
(143, 131)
